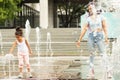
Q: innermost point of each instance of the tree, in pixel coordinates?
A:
(70, 10)
(8, 8)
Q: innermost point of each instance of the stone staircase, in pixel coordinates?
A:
(62, 41)
(56, 67)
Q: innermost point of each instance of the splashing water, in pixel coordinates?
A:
(48, 43)
(38, 38)
(8, 59)
(1, 44)
(27, 30)
(116, 59)
(113, 32)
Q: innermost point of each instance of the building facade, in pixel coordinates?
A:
(44, 13)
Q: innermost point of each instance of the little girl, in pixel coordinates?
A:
(23, 51)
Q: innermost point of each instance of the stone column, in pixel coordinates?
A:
(44, 14)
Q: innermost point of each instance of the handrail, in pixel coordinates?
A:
(31, 8)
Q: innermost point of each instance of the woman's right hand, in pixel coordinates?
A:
(78, 43)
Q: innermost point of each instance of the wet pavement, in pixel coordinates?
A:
(62, 68)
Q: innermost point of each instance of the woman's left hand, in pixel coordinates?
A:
(106, 40)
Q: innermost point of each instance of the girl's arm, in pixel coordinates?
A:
(13, 47)
(30, 51)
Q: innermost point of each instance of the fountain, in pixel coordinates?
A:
(38, 38)
(48, 45)
(50, 63)
(115, 59)
(1, 44)
(1, 51)
(49, 50)
(8, 59)
(113, 32)
(27, 30)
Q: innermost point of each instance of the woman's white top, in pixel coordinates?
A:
(93, 25)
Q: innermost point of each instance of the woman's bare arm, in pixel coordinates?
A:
(104, 26)
(82, 34)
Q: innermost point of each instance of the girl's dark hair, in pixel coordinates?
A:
(19, 31)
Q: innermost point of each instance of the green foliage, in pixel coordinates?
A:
(70, 10)
(8, 8)
(1, 0)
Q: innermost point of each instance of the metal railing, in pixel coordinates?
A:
(27, 13)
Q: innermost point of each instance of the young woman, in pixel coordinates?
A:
(97, 31)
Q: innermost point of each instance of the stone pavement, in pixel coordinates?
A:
(62, 68)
